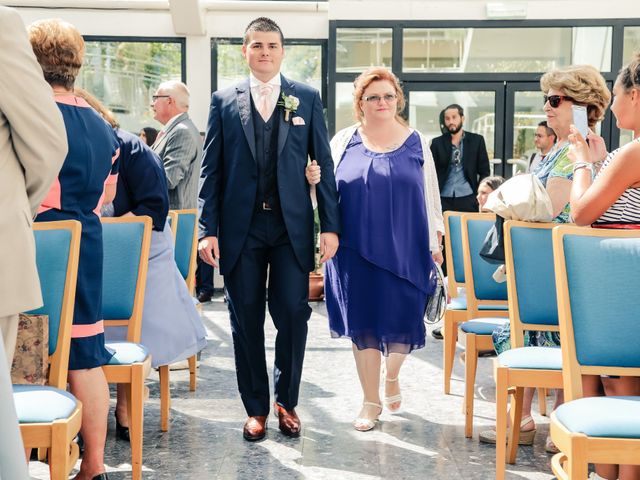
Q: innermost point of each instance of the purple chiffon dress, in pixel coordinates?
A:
(378, 284)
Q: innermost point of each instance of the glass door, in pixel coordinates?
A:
(483, 105)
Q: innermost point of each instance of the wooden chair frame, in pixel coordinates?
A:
(163, 370)
(134, 375)
(58, 435)
(514, 380)
(453, 318)
(474, 343)
(577, 450)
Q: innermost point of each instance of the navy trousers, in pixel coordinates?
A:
(268, 248)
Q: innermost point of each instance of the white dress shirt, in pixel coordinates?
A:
(254, 83)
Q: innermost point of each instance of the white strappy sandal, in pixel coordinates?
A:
(365, 424)
(388, 401)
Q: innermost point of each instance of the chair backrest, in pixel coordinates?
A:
(57, 255)
(126, 243)
(531, 283)
(478, 273)
(597, 278)
(453, 247)
(184, 224)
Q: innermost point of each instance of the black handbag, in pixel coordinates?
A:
(493, 247)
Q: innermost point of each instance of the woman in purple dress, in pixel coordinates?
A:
(379, 282)
(87, 178)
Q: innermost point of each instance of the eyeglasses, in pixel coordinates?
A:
(456, 156)
(155, 97)
(389, 97)
(555, 100)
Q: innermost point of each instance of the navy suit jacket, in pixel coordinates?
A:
(229, 178)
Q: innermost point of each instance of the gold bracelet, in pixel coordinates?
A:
(579, 165)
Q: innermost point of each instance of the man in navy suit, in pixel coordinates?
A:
(257, 217)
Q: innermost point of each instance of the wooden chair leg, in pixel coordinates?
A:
(577, 465)
(502, 395)
(542, 401)
(470, 367)
(514, 434)
(193, 365)
(59, 452)
(450, 334)
(135, 407)
(42, 454)
(165, 397)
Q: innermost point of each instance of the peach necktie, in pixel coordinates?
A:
(264, 102)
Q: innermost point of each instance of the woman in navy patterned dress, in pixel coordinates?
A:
(87, 173)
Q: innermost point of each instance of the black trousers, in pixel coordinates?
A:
(204, 277)
(268, 247)
(457, 204)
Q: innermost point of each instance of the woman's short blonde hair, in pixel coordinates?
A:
(584, 84)
(371, 75)
(59, 49)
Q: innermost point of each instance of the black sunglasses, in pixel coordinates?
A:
(555, 100)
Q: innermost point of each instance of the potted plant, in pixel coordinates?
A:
(316, 278)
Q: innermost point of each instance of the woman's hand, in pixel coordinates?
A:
(597, 147)
(438, 257)
(312, 172)
(579, 149)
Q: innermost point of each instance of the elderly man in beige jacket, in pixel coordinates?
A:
(33, 146)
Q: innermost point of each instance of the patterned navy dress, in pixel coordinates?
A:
(378, 284)
(77, 195)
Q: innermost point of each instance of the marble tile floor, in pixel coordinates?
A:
(426, 440)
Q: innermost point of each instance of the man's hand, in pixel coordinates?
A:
(328, 245)
(209, 251)
(312, 172)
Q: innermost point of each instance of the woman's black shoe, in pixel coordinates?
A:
(102, 476)
(122, 433)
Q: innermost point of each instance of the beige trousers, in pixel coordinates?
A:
(13, 465)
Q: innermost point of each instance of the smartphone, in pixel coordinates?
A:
(580, 119)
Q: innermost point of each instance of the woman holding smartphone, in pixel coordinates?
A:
(578, 85)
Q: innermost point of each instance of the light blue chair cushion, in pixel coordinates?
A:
(614, 417)
(126, 353)
(483, 326)
(460, 303)
(534, 358)
(187, 223)
(42, 404)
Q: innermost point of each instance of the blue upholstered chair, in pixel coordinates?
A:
(126, 258)
(597, 278)
(483, 290)
(457, 312)
(50, 418)
(532, 306)
(184, 226)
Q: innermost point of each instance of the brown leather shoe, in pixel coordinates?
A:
(255, 428)
(288, 420)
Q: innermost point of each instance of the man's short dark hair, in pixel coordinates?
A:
(550, 132)
(457, 107)
(262, 24)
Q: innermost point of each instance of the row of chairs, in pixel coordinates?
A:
(50, 417)
(536, 259)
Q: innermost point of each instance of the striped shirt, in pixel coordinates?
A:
(626, 209)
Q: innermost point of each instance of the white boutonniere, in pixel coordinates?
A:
(290, 104)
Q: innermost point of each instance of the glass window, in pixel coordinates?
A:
(301, 62)
(490, 50)
(631, 43)
(124, 75)
(528, 114)
(361, 48)
(344, 105)
(479, 112)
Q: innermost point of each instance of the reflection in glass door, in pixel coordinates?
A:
(523, 114)
(483, 105)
